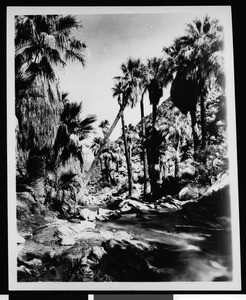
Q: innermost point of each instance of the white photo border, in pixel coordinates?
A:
(235, 284)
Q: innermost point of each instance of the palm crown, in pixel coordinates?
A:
(43, 42)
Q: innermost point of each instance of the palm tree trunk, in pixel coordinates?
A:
(128, 162)
(152, 157)
(144, 150)
(101, 165)
(154, 111)
(36, 175)
(194, 132)
(94, 163)
(203, 121)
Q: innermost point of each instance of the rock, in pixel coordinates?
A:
(129, 205)
(107, 214)
(31, 214)
(188, 193)
(20, 239)
(67, 241)
(126, 261)
(97, 253)
(136, 192)
(62, 232)
(211, 206)
(222, 182)
(114, 203)
(35, 262)
(170, 206)
(24, 271)
(87, 214)
(186, 169)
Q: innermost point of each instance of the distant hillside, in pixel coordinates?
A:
(168, 114)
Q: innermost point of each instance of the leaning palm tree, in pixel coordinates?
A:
(120, 92)
(125, 101)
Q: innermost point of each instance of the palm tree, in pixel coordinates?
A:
(183, 95)
(159, 76)
(135, 74)
(104, 125)
(125, 100)
(120, 92)
(71, 132)
(130, 132)
(198, 63)
(104, 157)
(41, 44)
(45, 41)
(96, 144)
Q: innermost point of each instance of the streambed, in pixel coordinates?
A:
(189, 249)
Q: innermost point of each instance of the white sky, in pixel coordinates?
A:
(111, 39)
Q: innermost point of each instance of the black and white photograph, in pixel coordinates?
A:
(122, 169)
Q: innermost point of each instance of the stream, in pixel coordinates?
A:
(191, 251)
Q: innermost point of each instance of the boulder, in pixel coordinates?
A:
(62, 232)
(136, 192)
(129, 205)
(87, 214)
(31, 214)
(212, 206)
(114, 203)
(222, 182)
(186, 169)
(97, 253)
(20, 239)
(107, 214)
(188, 193)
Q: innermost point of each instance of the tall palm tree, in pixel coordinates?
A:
(125, 100)
(131, 134)
(41, 43)
(135, 74)
(120, 92)
(132, 75)
(198, 62)
(45, 41)
(159, 76)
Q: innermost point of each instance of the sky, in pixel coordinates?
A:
(111, 39)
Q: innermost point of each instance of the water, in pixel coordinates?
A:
(195, 252)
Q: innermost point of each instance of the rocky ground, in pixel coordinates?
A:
(55, 247)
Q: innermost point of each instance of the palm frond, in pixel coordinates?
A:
(85, 126)
(75, 56)
(71, 111)
(66, 24)
(104, 123)
(54, 57)
(77, 44)
(66, 178)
